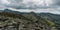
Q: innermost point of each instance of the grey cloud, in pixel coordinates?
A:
(25, 4)
(56, 3)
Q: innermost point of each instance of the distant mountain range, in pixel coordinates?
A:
(54, 17)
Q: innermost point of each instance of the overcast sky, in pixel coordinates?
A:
(35, 5)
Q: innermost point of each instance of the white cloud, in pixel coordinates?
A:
(54, 11)
(5, 2)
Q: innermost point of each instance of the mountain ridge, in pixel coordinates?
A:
(45, 18)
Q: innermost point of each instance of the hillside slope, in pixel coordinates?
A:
(27, 21)
(54, 17)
